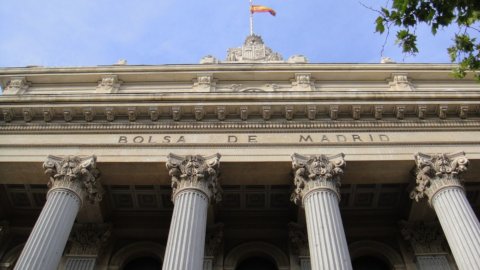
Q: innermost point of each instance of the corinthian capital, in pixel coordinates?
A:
(195, 172)
(435, 172)
(316, 172)
(76, 174)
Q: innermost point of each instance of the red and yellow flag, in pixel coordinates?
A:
(257, 8)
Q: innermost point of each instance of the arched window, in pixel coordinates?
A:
(143, 263)
(369, 263)
(256, 263)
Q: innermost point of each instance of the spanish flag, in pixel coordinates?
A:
(257, 8)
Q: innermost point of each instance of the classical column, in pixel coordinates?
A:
(195, 185)
(317, 181)
(438, 178)
(428, 244)
(72, 181)
(86, 243)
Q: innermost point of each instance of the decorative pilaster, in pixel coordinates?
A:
(317, 181)
(86, 242)
(194, 185)
(428, 244)
(73, 180)
(213, 246)
(438, 178)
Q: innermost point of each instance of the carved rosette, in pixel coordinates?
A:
(436, 172)
(88, 239)
(195, 172)
(298, 239)
(76, 174)
(424, 238)
(316, 172)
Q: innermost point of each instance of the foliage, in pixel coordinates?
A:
(407, 14)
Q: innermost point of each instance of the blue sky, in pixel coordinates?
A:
(99, 32)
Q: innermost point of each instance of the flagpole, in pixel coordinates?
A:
(251, 18)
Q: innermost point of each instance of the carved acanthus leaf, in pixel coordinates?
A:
(87, 239)
(78, 174)
(195, 171)
(316, 171)
(437, 167)
(424, 237)
(298, 239)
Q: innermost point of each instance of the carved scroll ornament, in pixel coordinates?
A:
(197, 172)
(79, 175)
(436, 171)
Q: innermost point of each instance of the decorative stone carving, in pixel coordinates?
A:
(204, 82)
(89, 114)
(132, 114)
(47, 114)
(442, 111)
(221, 113)
(195, 172)
(356, 111)
(77, 174)
(434, 172)
(208, 60)
(378, 111)
(214, 240)
(266, 113)
(176, 113)
(422, 111)
(334, 112)
(400, 82)
(27, 114)
(400, 112)
(154, 114)
(16, 86)
(8, 115)
(316, 172)
(289, 112)
(67, 115)
(387, 60)
(303, 82)
(298, 239)
(297, 59)
(253, 50)
(109, 84)
(244, 113)
(110, 114)
(88, 239)
(199, 113)
(463, 111)
(311, 112)
(425, 238)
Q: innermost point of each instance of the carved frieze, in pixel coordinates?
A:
(437, 171)
(316, 172)
(80, 175)
(424, 238)
(88, 239)
(195, 172)
(16, 86)
(109, 84)
(400, 82)
(298, 239)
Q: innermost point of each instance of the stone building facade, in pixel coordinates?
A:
(254, 162)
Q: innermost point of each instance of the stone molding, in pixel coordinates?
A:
(425, 238)
(75, 174)
(195, 172)
(88, 239)
(298, 239)
(437, 172)
(316, 172)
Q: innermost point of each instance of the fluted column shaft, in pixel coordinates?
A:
(317, 179)
(460, 226)
(326, 237)
(186, 239)
(438, 178)
(195, 185)
(72, 180)
(49, 236)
